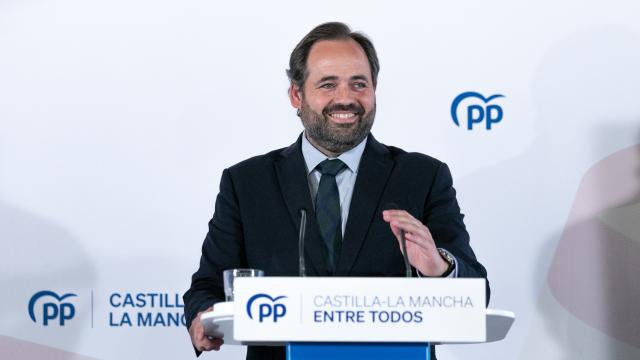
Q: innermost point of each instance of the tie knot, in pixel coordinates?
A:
(331, 167)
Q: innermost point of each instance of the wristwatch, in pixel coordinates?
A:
(449, 259)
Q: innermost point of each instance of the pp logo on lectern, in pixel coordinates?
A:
(52, 310)
(268, 307)
(477, 111)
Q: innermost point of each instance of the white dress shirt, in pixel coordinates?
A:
(345, 179)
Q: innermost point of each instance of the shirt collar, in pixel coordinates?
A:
(313, 156)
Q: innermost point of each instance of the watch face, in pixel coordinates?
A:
(445, 255)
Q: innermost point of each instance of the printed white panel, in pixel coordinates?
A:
(360, 309)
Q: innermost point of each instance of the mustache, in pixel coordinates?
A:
(354, 108)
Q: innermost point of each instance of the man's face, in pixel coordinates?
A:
(337, 104)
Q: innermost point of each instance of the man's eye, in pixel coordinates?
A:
(359, 85)
(327, 86)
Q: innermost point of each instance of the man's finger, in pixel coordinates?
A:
(401, 215)
(409, 226)
(199, 332)
(395, 223)
(395, 212)
(418, 241)
(215, 344)
(395, 230)
(391, 215)
(208, 345)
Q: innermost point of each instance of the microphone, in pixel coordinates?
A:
(303, 229)
(403, 242)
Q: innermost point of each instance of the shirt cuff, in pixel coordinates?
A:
(453, 274)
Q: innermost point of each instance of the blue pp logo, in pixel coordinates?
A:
(52, 310)
(268, 308)
(478, 111)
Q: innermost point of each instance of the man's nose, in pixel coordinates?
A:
(343, 94)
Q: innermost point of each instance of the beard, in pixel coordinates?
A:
(334, 137)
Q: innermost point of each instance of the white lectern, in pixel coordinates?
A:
(347, 318)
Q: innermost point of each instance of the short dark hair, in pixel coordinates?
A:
(297, 71)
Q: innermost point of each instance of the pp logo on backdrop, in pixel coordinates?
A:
(53, 308)
(478, 109)
(267, 306)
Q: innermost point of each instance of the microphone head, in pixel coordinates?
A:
(391, 206)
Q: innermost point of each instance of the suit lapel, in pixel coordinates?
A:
(294, 187)
(373, 172)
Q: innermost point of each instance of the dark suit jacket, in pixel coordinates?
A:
(256, 221)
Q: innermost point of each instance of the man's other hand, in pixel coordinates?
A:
(199, 340)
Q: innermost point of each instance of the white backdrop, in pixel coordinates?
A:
(117, 118)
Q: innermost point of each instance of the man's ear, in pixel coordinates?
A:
(295, 96)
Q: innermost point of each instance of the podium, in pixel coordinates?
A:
(353, 318)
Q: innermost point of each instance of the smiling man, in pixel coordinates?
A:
(336, 97)
(344, 178)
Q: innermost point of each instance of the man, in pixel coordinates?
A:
(344, 178)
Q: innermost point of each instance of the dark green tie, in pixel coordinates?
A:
(328, 210)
